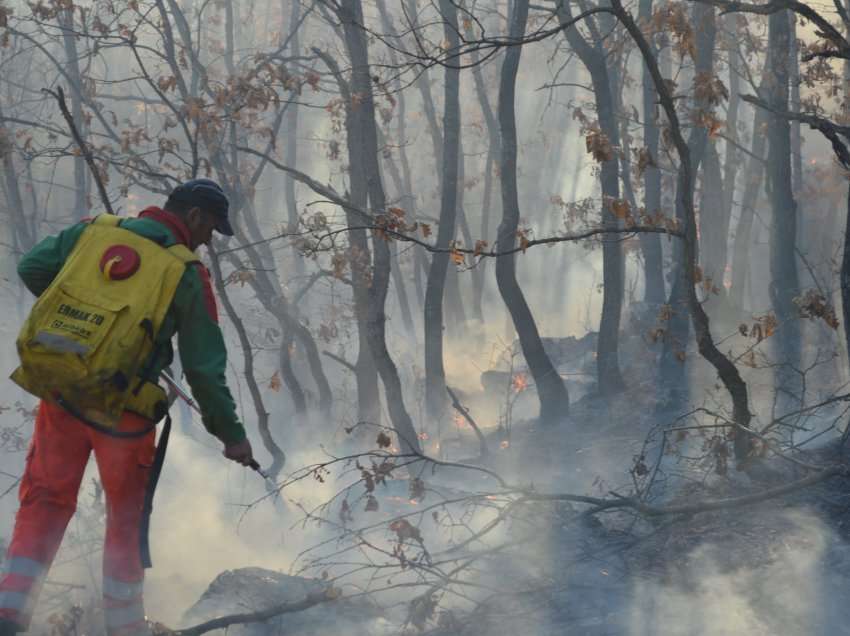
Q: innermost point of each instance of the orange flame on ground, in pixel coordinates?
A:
(519, 382)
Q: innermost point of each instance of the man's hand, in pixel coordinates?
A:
(240, 452)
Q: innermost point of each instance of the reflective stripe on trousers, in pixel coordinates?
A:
(123, 617)
(19, 586)
(123, 608)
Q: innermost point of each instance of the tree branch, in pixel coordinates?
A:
(482, 441)
(224, 622)
(827, 128)
(59, 96)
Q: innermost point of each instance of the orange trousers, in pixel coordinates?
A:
(57, 458)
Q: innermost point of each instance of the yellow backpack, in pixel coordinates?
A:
(92, 329)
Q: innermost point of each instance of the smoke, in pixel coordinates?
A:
(717, 589)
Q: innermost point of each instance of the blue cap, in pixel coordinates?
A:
(207, 195)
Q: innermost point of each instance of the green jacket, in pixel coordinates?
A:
(192, 316)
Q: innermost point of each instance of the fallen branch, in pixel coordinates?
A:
(704, 506)
(224, 622)
(482, 441)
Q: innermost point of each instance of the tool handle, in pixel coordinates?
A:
(256, 467)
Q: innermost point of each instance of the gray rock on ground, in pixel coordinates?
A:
(253, 589)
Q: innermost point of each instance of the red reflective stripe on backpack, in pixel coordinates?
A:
(209, 297)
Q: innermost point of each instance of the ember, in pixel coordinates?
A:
(519, 382)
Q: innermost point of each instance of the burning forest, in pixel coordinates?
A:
(444, 317)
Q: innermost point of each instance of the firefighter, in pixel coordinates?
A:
(68, 428)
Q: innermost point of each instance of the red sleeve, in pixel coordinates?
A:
(209, 297)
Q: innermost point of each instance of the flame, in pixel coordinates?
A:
(402, 500)
(519, 382)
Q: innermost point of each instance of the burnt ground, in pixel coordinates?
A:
(779, 566)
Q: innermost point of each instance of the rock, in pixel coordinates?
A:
(253, 589)
(496, 382)
(568, 354)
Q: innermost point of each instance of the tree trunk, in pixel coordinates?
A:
(420, 262)
(845, 275)
(742, 244)
(784, 286)
(609, 378)
(653, 258)
(435, 375)
(25, 235)
(350, 13)
(454, 298)
(732, 158)
(359, 257)
(714, 223)
(291, 151)
(65, 18)
(673, 375)
(726, 370)
(493, 155)
(554, 400)
(398, 277)
(287, 373)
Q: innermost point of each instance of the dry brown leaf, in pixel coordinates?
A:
(620, 208)
(384, 440)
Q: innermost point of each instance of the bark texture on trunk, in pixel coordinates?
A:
(554, 400)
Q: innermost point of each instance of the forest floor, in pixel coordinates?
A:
(779, 566)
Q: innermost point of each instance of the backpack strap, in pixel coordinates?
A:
(107, 219)
(183, 253)
(187, 257)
